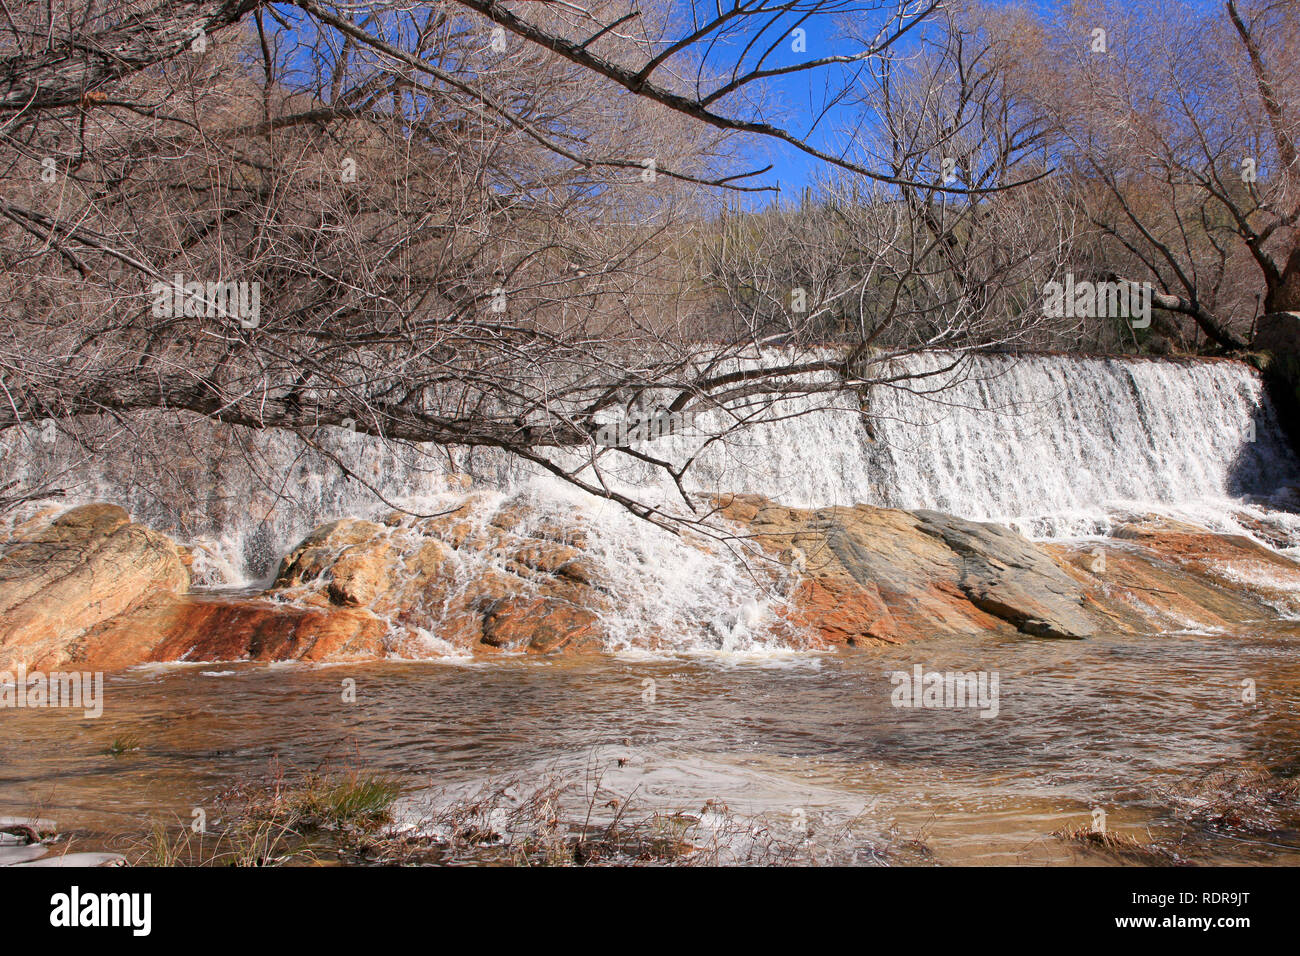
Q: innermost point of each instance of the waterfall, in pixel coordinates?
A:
(1053, 445)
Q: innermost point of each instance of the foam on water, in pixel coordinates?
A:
(689, 594)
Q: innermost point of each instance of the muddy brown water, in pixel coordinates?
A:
(1117, 724)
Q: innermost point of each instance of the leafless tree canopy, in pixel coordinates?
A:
(482, 223)
(1180, 142)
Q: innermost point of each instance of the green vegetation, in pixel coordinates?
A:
(123, 744)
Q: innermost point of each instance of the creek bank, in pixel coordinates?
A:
(88, 587)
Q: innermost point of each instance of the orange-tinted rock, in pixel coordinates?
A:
(61, 579)
(874, 574)
(871, 575)
(91, 587)
(540, 626)
(358, 579)
(508, 583)
(205, 629)
(262, 631)
(1157, 574)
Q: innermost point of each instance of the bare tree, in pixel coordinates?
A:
(1181, 137)
(902, 266)
(464, 223)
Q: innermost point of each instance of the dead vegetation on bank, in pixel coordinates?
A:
(349, 816)
(353, 817)
(1243, 800)
(1251, 804)
(1117, 847)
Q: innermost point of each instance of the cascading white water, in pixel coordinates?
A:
(1053, 444)
(1050, 444)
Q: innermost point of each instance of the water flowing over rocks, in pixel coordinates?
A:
(875, 574)
(1051, 445)
(882, 574)
(464, 579)
(1159, 574)
(477, 579)
(498, 574)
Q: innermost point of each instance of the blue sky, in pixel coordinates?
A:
(801, 94)
(792, 169)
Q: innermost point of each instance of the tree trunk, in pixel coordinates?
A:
(65, 71)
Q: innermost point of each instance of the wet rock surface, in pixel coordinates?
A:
(884, 575)
(1155, 574)
(492, 575)
(874, 574)
(477, 579)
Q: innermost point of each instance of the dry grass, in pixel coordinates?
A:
(276, 823)
(1118, 847)
(357, 818)
(1250, 799)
